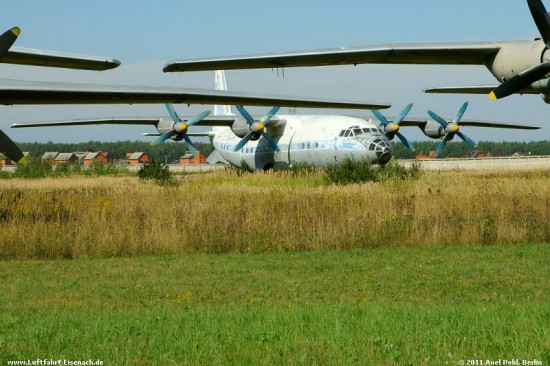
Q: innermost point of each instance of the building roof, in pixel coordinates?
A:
(49, 155)
(136, 156)
(65, 156)
(91, 156)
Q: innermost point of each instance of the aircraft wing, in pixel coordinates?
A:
(151, 121)
(13, 92)
(36, 57)
(469, 122)
(480, 89)
(473, 53)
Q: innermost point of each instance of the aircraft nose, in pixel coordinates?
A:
(382, 148)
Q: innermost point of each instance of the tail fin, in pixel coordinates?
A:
(221, 84)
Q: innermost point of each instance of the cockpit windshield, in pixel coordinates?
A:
(357, 131)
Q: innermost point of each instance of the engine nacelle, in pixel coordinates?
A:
(515, 57)
(240, 127)
(433, 130)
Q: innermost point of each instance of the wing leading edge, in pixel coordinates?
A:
(418, 122)
(141, 121)
(14, 92)
(473, 53)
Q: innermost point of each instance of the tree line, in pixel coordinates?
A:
(166, 152)
(171, 151)
(462, 150)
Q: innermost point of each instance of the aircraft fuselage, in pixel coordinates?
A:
(311, 139)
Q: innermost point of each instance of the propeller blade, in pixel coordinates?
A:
(271, 142)
(443, 143)
(7, 39)
(541, 18)
(163, 138)
(190, 145)
(198, 118)
(245, 114)
(520, 81)
(403, 114)
(269, 115)
(172, 112)
(460, 112)
(438, 119)
(380, 117)
(466, 139)
(243, 141)
(10, 149)
(406, 142)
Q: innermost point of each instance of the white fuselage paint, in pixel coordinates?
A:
(310, 139)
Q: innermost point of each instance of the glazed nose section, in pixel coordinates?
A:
(382, 149)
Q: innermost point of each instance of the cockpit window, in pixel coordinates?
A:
(355, 131)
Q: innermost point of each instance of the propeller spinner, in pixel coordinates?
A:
(391, 129)
(257, 129)
(451, 129)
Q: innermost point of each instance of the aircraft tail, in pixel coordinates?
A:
(221, 84)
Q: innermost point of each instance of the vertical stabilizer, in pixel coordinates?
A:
(221, 84)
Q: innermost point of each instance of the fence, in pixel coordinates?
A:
(506, 163)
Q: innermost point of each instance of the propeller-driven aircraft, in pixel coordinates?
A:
(283, 140)
(520, 66)
(14, 92)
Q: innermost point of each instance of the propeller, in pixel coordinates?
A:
(7, 39)
(10, 149)
(391, 129)
(179, 127)
(257, 129)
(525, 78)
(451, 129)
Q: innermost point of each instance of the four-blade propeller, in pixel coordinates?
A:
(391, 129)
(257, 129)
(525, 78)
(7, 39)
(451, 129)
(180, 127)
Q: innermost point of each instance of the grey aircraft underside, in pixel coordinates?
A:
(520, 66)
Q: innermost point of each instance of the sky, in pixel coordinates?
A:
(145, 35)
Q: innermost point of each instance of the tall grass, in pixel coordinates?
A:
(223, 212)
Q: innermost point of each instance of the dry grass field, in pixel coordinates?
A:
(441, 270)
(222, 212)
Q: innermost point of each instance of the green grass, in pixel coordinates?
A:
(378, 306)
